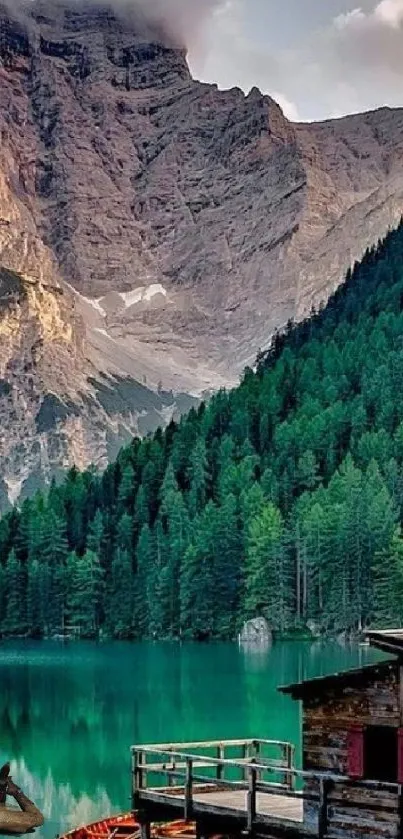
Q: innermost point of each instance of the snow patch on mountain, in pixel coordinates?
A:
(143, 295)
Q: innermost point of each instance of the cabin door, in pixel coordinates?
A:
(381, 753)
(375, 753)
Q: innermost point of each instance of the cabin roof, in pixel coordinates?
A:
(318, 685)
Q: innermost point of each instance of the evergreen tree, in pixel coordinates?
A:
(15, 620)
(282, 497)
(96, 533)
(85, 597)
(266, 575)
(120, 597)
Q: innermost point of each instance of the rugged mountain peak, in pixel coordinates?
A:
(95, 42)
(161, 228)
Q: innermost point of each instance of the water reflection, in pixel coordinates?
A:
(69, 713)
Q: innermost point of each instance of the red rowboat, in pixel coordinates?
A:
(126, 827)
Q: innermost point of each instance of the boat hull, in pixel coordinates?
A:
(125, 826)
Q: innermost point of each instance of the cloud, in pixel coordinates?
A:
(354, 63)
(390, 12)
(365, 50)
(182, 21)
(289, 108)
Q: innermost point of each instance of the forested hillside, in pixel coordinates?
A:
(282, 498)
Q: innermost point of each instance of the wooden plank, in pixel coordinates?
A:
(340, 831)
(159, 748)
(168, 766)
(288, 807)
(355, 815)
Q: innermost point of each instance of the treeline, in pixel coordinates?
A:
(282, 498)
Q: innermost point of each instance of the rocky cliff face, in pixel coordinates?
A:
(154, 230)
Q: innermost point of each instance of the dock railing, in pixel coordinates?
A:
(163, 773)
(182, 767)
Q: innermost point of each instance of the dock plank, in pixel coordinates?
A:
(288, 808)
(277, 806)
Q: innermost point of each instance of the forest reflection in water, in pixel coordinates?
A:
(69, 713)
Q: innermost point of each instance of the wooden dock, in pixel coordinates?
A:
(249, 788)
(229, 804)
(220, 785)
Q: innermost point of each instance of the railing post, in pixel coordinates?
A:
(145, 829)
(171, 778)
(251, 799)
(138, 777)
(139, 771)
(134, 780)
(290, 762)
(220, 766)
(257, 747)
(323, 815)
(189, 789)
(246, 757)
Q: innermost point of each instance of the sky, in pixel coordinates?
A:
(317, 58)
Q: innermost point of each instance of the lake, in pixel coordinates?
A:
(69, 712)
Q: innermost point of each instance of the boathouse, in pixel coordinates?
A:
(350, 785)
(352, 746)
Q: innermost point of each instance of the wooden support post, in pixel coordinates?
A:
(138, 778)
(189, 789)
(220, 766)
(285, 751)
(251, 799)
(135, 781)
(134, 774)
(290, 762)
(246, 756)
(202, 830)
(171, 777)
(256, 749)
(145, 830)
(400, 811)
(323, 803)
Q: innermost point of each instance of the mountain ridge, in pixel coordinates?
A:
(181, 225)
(281, 499)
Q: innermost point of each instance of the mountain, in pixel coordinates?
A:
(157, 230)
(281, 499)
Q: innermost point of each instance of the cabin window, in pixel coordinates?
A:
(381, 754)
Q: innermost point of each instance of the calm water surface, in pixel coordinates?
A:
(69, 713)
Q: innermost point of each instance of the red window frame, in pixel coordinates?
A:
(355, 752)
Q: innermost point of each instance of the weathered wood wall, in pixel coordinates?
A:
(353, 812)
(329, 717)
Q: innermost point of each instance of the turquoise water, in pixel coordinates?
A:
(69, 713)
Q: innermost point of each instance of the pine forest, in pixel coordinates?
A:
(282, 498)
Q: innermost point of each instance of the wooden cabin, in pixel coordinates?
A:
(350, 785)
(353, 738)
